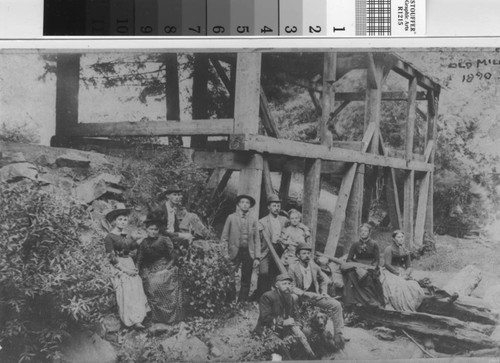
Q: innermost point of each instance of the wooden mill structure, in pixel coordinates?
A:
(253, 145)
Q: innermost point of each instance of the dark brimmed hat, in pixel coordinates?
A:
(283, 277)
(245, 196)
(302, 246)
(156, 222)
(154, 217)
(118, 210)
(273, 198)
(174, 188)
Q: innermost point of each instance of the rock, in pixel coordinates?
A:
(18, 171)
(384, 333)
(111, 323)
(159, 328)
(216, 352)
(84, 347)
(45, 160)
(11, 157)
(492, 297)
(94, 188)
(186, 349)
(464, 282)
(496, 334)
(72, 160)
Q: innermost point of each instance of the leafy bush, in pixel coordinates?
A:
(206, 283)
(50, 279)
(19, 133)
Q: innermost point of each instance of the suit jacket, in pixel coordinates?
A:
(274, 305)
(320, 279)
(266, 233)
(231, 235)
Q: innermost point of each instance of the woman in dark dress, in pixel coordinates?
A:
(130, 297)
(400, 291)
(160, 276)
(361, 272)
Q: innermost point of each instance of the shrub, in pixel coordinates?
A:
(51, 279)
(19, 133)
(206, 283)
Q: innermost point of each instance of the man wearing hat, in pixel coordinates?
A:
(270, 228)
(242, 237)
(166, 213)
(311, 284)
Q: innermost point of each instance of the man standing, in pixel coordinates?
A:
(242, 237)
(270, 228)
(166, 213)
(311, 284)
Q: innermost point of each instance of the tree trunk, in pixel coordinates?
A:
(464, 282)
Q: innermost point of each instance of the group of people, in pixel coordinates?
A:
(146, 277)
(278, 246)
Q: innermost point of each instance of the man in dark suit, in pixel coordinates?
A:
(311, 284)
(166, 213)
(242, 237)
(270, 228)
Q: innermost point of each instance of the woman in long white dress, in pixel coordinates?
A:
(130, 296)
(401, 292)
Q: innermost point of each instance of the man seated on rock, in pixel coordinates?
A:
(311, 284)
(166, 213)
(278, 311)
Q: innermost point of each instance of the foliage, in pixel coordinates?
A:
(20, 133)
(150, 168)
(50, 279)
(207, 282)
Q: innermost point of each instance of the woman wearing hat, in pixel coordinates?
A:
(361, 282)
(161, 278)
(400, 291)
(130, 297)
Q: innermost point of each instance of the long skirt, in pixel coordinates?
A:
(130, 297)
(163, 289)
(366, 290)
(401, 294)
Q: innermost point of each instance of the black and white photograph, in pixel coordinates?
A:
(249, 205)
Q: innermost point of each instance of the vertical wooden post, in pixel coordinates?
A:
(286, 179)
(200, 95)
(67, 89)
(266, 178)
(409, 187)
(432, 112)
(247, 93)
(172, 92)
(310, 197)
(374, 99)
(250, 181)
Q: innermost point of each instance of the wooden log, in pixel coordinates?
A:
(154, 128)
(200, 96)
(450, 331)
(247, 93)
(67, 90)
(172, 98)
(392, 192)
(286, 179)
(432, 107)
(312, 181)
(250, 182)
(431, 305)
(266, 178)
(464, 282)
(423, 194)
(261, 144)
(267, 117)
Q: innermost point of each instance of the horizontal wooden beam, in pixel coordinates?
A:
(409, 72)
(270, 145)
(154, 128)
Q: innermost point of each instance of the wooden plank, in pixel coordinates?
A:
(310, 196)
(428, 151)
(409, 186)
(67, 90)
(172, 92)
(328, 97)
(314, 100)
(339, 213)
(442, 329)
(432, 104)
(218, 181)
(423, 194)
(200, 96)
(409, 72)
(247, 93)
(286, 179)
(154, 128)
(338, 110)
(392, 192)
(260, 143)
(250, 182)
(267, 117)
(266, 178)
(372, 72)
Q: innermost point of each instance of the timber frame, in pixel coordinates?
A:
(255, 154)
